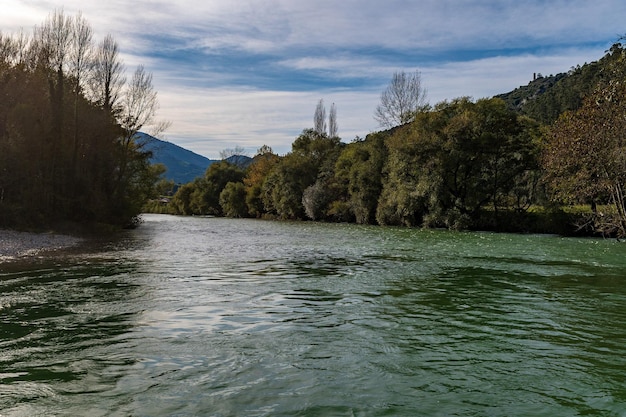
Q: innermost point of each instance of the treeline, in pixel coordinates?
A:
(68, 117)
(461, 164)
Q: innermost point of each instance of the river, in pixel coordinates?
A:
(188, 316)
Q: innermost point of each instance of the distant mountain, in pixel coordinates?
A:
(182, 165)
(242, 161)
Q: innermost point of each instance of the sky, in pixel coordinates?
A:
(247, 73)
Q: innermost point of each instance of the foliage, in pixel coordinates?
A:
(462, 164)
(312, 157)
(546, 98)
(262, 164)
(202, 196)
(453, 161)
(233, 200)
(585, 157)
(359, 171)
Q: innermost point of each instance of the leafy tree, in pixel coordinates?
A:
(262, 164)
(359, 170)
(403, 98)
(181, 203)
(217, 176)
(585, 157)
(233, 200)
(312, 157)
(453, 161)
(284, 186)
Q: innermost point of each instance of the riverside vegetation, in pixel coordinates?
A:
(548, 157)
(68, 118)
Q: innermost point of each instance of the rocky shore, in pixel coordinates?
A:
(15, 244)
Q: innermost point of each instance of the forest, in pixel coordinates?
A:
(549, 157)
(68, 117)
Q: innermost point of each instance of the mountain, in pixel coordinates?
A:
(182, 165)
(242, 161)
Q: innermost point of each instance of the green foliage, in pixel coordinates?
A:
(312, 157)
(359, 170)
(546, 98)
(233, 200)
(202, 196)
(453, 161)
(260, 167)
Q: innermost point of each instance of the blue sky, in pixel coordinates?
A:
(250, 72)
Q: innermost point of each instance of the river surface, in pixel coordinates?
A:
(193, 316)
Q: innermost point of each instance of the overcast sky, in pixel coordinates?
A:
(249, 73)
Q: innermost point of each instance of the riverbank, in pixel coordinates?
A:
(14, 244)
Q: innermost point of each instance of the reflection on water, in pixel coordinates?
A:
(208, 316)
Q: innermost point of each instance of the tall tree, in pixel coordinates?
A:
(319, 118)
(139, 103)
(107, 75)
(82, 37)
(403, 98)
(53, 44)
(138, 108)
(332, 121)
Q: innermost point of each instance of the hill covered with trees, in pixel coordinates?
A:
(547, 157)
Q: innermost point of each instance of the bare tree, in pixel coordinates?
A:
(402, 100)
(107, 75)
(82, 35)
(54, 40)
(138, 106)
(52, 44)
(332, 121)
(139, 103)
(319, 118)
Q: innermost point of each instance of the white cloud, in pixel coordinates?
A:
(225, 118)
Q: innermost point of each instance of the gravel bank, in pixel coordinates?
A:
(22, 244)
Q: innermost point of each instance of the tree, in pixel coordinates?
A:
(359, 170)
(236, 156)
(319, 118)
(403, 98)
(139, 103)
(585, 158)
(80, 60)
(54, 167)
(262, 164)
(107, 76)
(217, 176)
(233, 200)
(450, 163)
(332, 121)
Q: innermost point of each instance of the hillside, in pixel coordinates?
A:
(182, 165)
(545, 98)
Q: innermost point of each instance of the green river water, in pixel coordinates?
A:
(219, 317)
